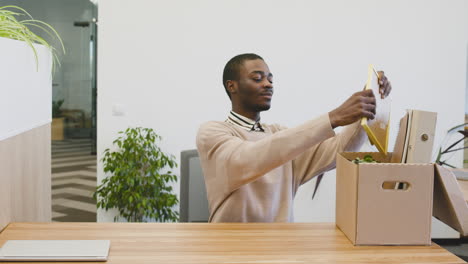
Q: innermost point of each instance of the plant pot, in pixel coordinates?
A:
(57, 128)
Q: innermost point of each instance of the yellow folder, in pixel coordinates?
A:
(378, 128)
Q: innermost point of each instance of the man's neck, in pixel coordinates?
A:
(249, 114)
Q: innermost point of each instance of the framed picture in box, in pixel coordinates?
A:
(378, 128)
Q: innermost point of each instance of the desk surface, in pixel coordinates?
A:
(228, 243)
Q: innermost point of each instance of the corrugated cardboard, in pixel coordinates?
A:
(368, 214)
(449, 203)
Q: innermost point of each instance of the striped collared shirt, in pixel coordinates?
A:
(244, 122)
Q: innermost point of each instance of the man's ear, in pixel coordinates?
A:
(231, 86)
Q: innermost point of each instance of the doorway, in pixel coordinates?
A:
(74, 94)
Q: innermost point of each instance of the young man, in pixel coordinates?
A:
(253, 170)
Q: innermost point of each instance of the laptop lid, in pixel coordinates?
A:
(55, 250)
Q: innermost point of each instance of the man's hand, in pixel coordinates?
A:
(384, 85)
(360, 104)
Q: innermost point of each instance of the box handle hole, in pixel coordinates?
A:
(395, 185)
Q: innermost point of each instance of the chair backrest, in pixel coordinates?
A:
(193, 201)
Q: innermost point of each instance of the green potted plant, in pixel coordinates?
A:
(57, 120)
(458, 145)
(138, 185)
(12, 28)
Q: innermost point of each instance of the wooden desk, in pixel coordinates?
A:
(228, 243)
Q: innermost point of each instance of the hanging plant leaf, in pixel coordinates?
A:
(12, 28)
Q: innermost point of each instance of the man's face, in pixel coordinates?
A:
(255, 86)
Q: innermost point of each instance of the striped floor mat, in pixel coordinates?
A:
(73, 181)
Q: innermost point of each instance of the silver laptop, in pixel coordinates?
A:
(55, 250)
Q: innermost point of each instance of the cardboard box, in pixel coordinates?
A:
(450, 206)
(370, 212)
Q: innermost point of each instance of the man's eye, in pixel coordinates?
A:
(257, 79)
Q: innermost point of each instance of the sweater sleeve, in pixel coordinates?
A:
(322, 157)
(232, 162)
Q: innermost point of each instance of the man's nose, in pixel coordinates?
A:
(268, 84)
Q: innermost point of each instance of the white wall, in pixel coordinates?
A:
(25, 89)
(161, 62)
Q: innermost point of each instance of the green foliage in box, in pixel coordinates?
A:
(366, 159)
(138, 186)
(11, 27)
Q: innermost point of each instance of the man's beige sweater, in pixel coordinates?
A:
(253, 176)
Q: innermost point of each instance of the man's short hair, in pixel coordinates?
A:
(232, 68)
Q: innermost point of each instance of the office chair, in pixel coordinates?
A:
(193, 201)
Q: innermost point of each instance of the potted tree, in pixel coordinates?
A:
(138, 185)
(57, 120)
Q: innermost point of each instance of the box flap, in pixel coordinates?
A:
(401, 143)
(450, 206)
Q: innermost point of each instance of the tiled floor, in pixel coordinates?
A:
(73, 181)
